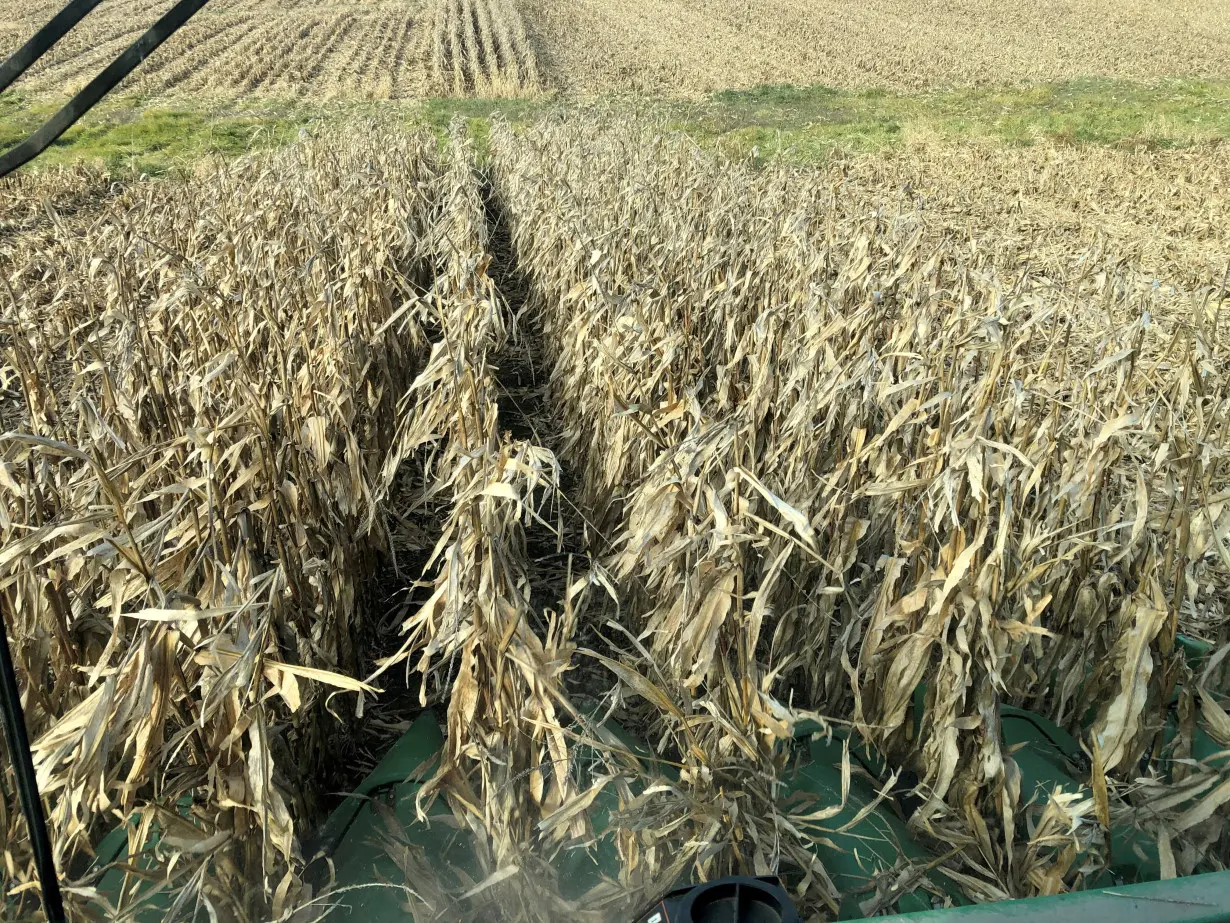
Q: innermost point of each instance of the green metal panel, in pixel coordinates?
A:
(380, 818)
(147, 898)
(855, 854)
(1198, 899)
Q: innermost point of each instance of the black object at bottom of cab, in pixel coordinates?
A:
(737, 899)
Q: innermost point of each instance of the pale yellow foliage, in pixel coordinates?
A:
(887, 445)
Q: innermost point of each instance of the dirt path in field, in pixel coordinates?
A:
(555, 549)
(557, 555)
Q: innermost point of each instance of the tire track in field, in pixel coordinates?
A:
(343, 24)
(419, 54)
(216, 73)
(529, 410)
(203, 54)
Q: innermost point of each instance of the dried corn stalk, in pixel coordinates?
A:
(506, 765)
(904, 459)
(842, 447)
(210, 373)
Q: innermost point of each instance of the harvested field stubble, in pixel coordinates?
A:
(389, 49)
(869, 444)
(396, 49)
(243, 48)
(482, 48)
(699, 46)
(1161, 217)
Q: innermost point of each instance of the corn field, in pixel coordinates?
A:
(205, 391)
(481, 48)
(408, 49)
(864, 449)
(698, 48)
(388, 49)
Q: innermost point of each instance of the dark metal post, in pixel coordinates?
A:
(43, 40)
(100, 86)
(27, 783)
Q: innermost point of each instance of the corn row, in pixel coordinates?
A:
(506, 763)
(482, 47)
(210, 382)
(871, 405)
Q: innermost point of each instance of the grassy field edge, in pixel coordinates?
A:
(803, 123)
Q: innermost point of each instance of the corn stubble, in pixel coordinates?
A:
(826, 452)
(406, 49)
(482, 48)
(694, 49)
(316, 49)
